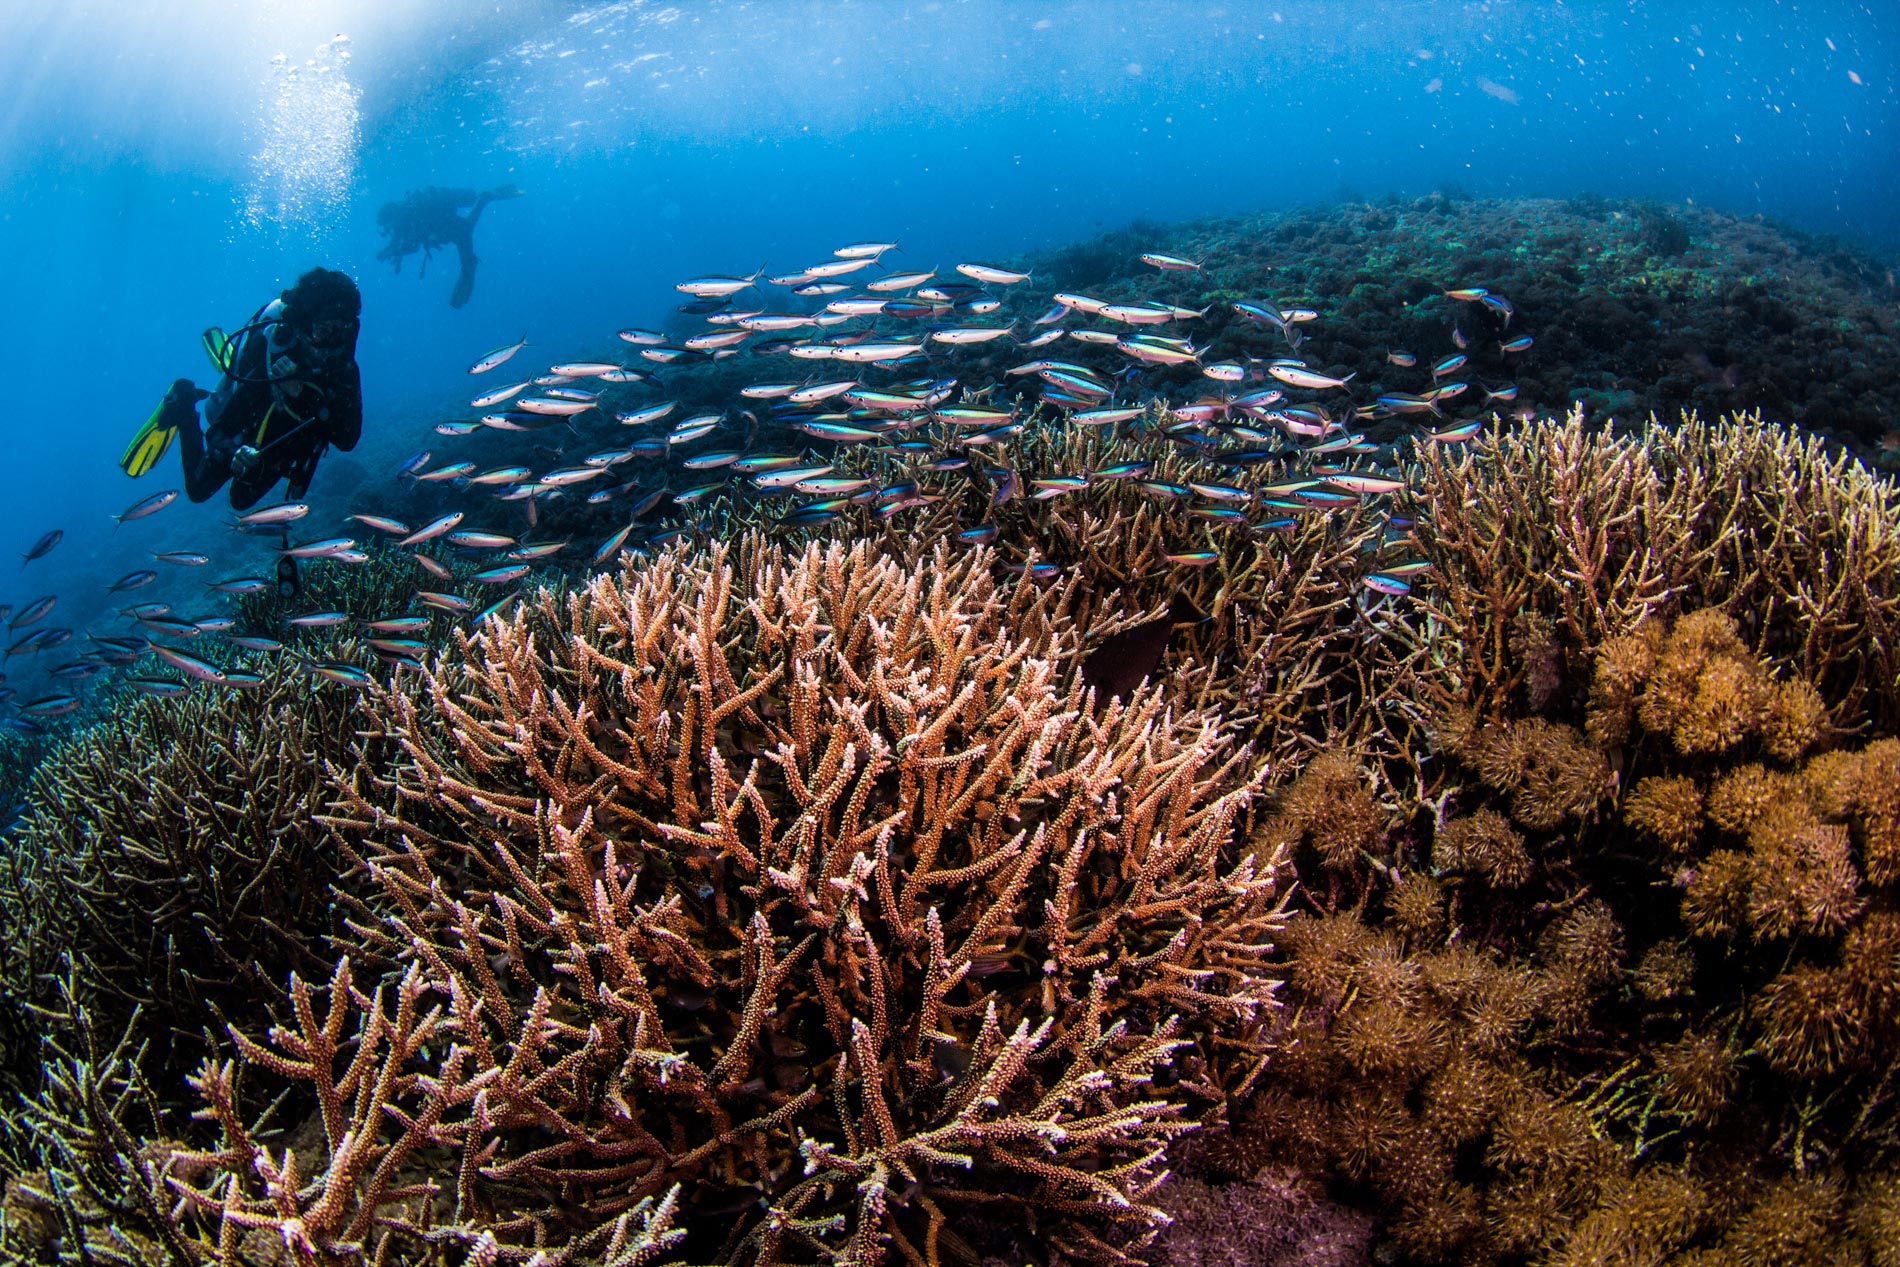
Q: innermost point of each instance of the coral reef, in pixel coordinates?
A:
(806, 883)
(171, 864)
(1522, 1052)
(855, 896)
(1594, 534)
(1640, 309)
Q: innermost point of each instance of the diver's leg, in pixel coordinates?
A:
(204, 473)
(465, 280)
(246, 489)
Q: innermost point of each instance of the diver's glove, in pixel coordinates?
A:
(185, 392)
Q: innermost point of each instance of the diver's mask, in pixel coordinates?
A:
(244, 461)
(332, 337)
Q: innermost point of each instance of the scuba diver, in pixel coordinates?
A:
(427, 218)
(288, 389)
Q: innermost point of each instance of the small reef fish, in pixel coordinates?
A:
(43, 546)
(495, 397)
(281, 513)
(1300, 376)
(716, 287)
(394, 527)
(491, 359)
(433, 529)
(342, 673)
(325, 548)
(189, 665)
(32, 611)
(990, 275)
(147, 506)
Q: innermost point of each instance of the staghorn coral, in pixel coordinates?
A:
(173, 858)
(800, 880)
(1598, 533)
(1284, 650)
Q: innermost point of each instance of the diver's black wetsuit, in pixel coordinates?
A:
(289, 395)
(427, 218)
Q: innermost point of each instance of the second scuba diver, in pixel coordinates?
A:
(424, 219)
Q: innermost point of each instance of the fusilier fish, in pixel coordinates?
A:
(433, 529)
(147, 506)
(491, 359)
(40, 548)
(990, 275)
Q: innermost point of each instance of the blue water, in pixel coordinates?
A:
(166, 171)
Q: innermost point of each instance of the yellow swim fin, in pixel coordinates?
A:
(218, 347)
(148, 444)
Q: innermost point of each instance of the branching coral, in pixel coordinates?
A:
(1285, 650)
(182, 871)
(1597, 533)
(804, 881)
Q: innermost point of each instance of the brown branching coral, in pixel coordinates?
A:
(801, 880)
(177, 861)
(1598, 533)
(1285, 647)
(360, 1189)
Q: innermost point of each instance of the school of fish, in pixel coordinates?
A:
(860, 374)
